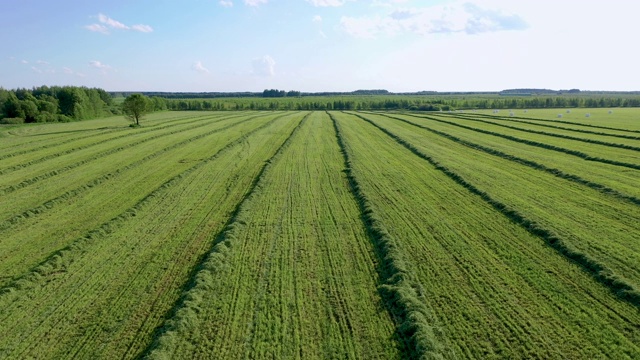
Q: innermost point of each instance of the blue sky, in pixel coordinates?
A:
(320, 45)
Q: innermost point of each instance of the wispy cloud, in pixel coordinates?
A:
(107, 23)
(104, 68)
(255, 3)
(226, 3)
(115, 24)
(453, 18)
(97, 28)
(317, 20)
(24, 61)
(35, 69)
(142, 28)
(263, 66)
(197, 66)
(67, 71)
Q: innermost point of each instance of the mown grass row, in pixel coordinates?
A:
(298, 278)
(498, 291)
(558, 122)
(553, 134)
(51, 203)
(97, 156)
(58, 259)
(132, 133)
(188, 307)
(32, 146)
(622, 180)
(576, 153)
(538, 166)
(33, 239)
(600, 271)
(117, 289)
(416, 323)
(525, 121)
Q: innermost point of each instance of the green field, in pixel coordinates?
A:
(323, 235)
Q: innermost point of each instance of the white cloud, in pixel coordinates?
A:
(255, 2)
(142, 28)
(111, 22)
(326, 3)
(197, 66)
(67, 71)
(453, 18)
(263, 66)
(42, 62)
(226, 3)
(97, 28)
(35, 69)
(107, 23)
(317, 19)
(99, 65)
(24, 61)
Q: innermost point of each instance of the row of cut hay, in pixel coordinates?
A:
(616, 282)
(576, 153)
(51, 203)
(57, 261)
(401, 291)
(187, 308)
(532, 164)
(568, 137)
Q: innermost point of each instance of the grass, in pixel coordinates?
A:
(292, 276)
(321, 235)
(483, 276)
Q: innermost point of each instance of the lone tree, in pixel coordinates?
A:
(135, 106)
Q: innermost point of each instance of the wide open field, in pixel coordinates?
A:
(314, 235)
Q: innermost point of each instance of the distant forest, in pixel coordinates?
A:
(59, 104)
(69, 103)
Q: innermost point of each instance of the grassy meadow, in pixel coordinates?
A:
(323, 235)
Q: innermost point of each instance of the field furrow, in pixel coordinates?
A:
(497, 290)
(104, 296)
(294, 274)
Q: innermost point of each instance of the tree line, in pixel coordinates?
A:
(398, 102)
(53, 104)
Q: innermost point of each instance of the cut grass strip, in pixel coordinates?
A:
(565, 150)
(600, 271)
(553, 171)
